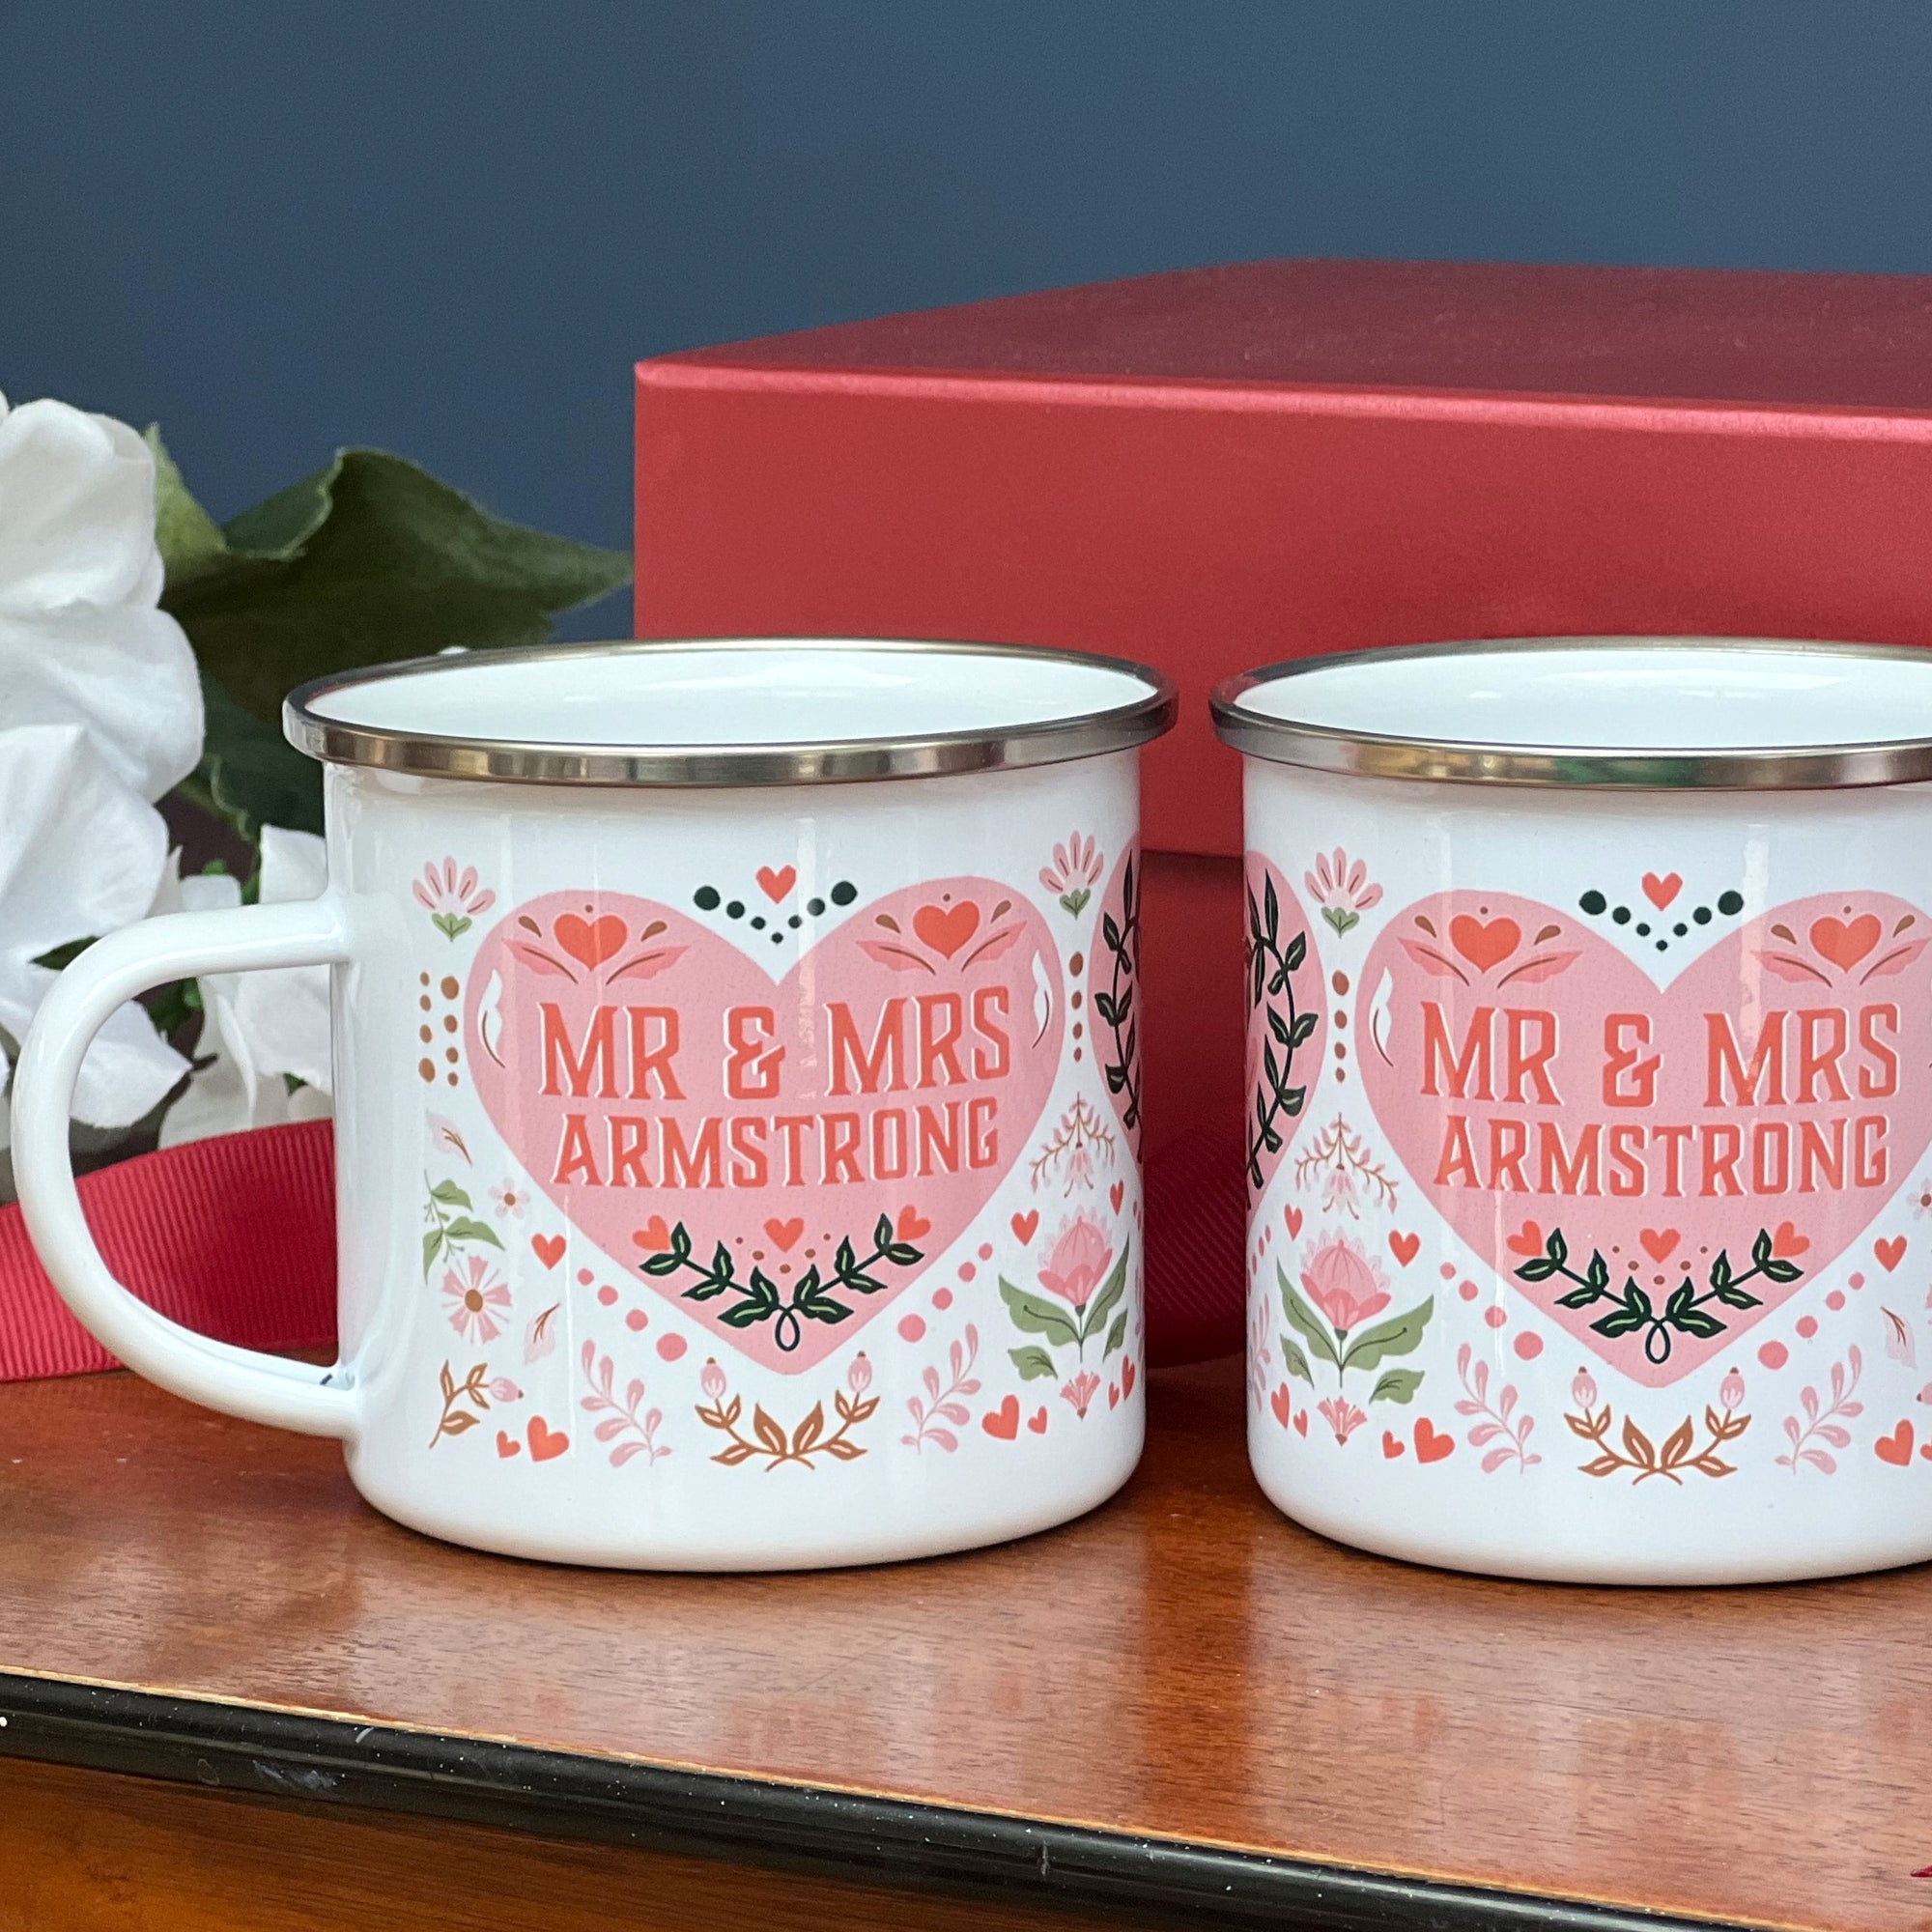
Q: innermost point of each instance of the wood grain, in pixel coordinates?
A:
(88, 1851)
(1183, 1664)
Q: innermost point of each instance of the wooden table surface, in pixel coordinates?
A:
(1182, 1700)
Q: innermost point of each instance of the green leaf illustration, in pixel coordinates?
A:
(1304, 1321)
(463, 1229)
(1117, 1335)
(1397, 1385)
(1297, 1362)
(1033, 1363)
(449, 1194)
(1033, 1316)
(1102, 1305)
(1396, 1336)
(431, 1247)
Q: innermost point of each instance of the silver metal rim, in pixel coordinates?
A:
(1285, 741)
(518, 761)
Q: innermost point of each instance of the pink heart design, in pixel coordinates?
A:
(1278, 1062)
(1556, 1104)
(702, 1094)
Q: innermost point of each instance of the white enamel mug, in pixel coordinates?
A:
(736, 1092)
(1590, 1063)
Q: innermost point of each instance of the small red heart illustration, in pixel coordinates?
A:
(912, 1225)
(654, 1237)
(1025, 1225)
(1484, 946)
(1889, 1253)
(1787, 1241)
(776, 885)
(1845, 942)
(1291, 1220)
(1301, 1419)
(548, 1248)
(1526, 1240)
(1896, 1448)
(1004, 1421)
(946, 928)
(1112, 1395)
(1926, 1451)
(1127, 1377)
(785, 1234)
(1278, 1401)
(1659, 1242)
(590, 942)
(1431, 1445)
(1404, 1247)
(1392, 1444)
(1661, 892)
(1117, 1193)
(1037, 1421)
(507, 1444)
(546, 1442)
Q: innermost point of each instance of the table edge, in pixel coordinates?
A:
(255, 1750)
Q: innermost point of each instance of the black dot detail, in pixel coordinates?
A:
(814, 907)
(1702, 915)
(778, 939)
(1593, 903)
(757, 922)
(735, 910)
(1622, 915)
(1642, 929)
(1730, 904)
(794, 921)
(1663, 946)
(1680, 929)
(844, 892)
(706, 898)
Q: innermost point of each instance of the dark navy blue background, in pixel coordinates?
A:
(450, 229)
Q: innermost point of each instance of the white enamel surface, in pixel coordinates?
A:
(1606, 698)
(1764, 1523)
(742, 698)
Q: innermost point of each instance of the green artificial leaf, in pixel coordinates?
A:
(1103, 1304)
(1397, 1336)
(1397, 1385)
(1297, 1362)
(249, 773)
(1033, 1316)
(190, 539)
(369, 559)
(1304, 1319)
(1033, 1363)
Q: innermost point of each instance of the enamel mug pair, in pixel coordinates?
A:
(737, 1096)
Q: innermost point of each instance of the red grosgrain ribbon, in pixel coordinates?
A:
(234, 1238)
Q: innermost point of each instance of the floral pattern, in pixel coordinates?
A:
(477, 1300)
(1340, 886)
(452, 898)
(1075, 871)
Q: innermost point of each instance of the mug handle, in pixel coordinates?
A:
(242, 1381)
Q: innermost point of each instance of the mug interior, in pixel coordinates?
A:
(754, 694)
(1631, 696)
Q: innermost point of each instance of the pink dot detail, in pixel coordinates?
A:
(1495, 1317)
(672, 1347)
(1835, 1299)
(1529, 1346)
(942, 1298)
(985, 1251)
(1468, 1290)
(1448, 1270)
(1856, 1280)
(967, 1270)
(607, 1296)
(912, 1327)
(636, 1322)
(1807, 1327)
(1774, 1354)
(583, 1277)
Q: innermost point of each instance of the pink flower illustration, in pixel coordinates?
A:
(1583, 1390)
(1731, 1390)
(1081, 1391)
(1343, 1418)
(1074, 873)
(510, 1199)
(1078, 1264)
(1340, 888)
(711, 1379)
(451, 898)
(859, 1376)
(475, 1298)
(504, 1389)
(1344, 1283)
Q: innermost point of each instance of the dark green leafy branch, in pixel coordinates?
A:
(1686, 1311)
(1271, 969)
(1115, 1003)
(1059, 1323)
(760, 1298)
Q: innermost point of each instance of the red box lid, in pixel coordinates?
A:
(1213, 470)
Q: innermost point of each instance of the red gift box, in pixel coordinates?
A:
(1215, 469)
